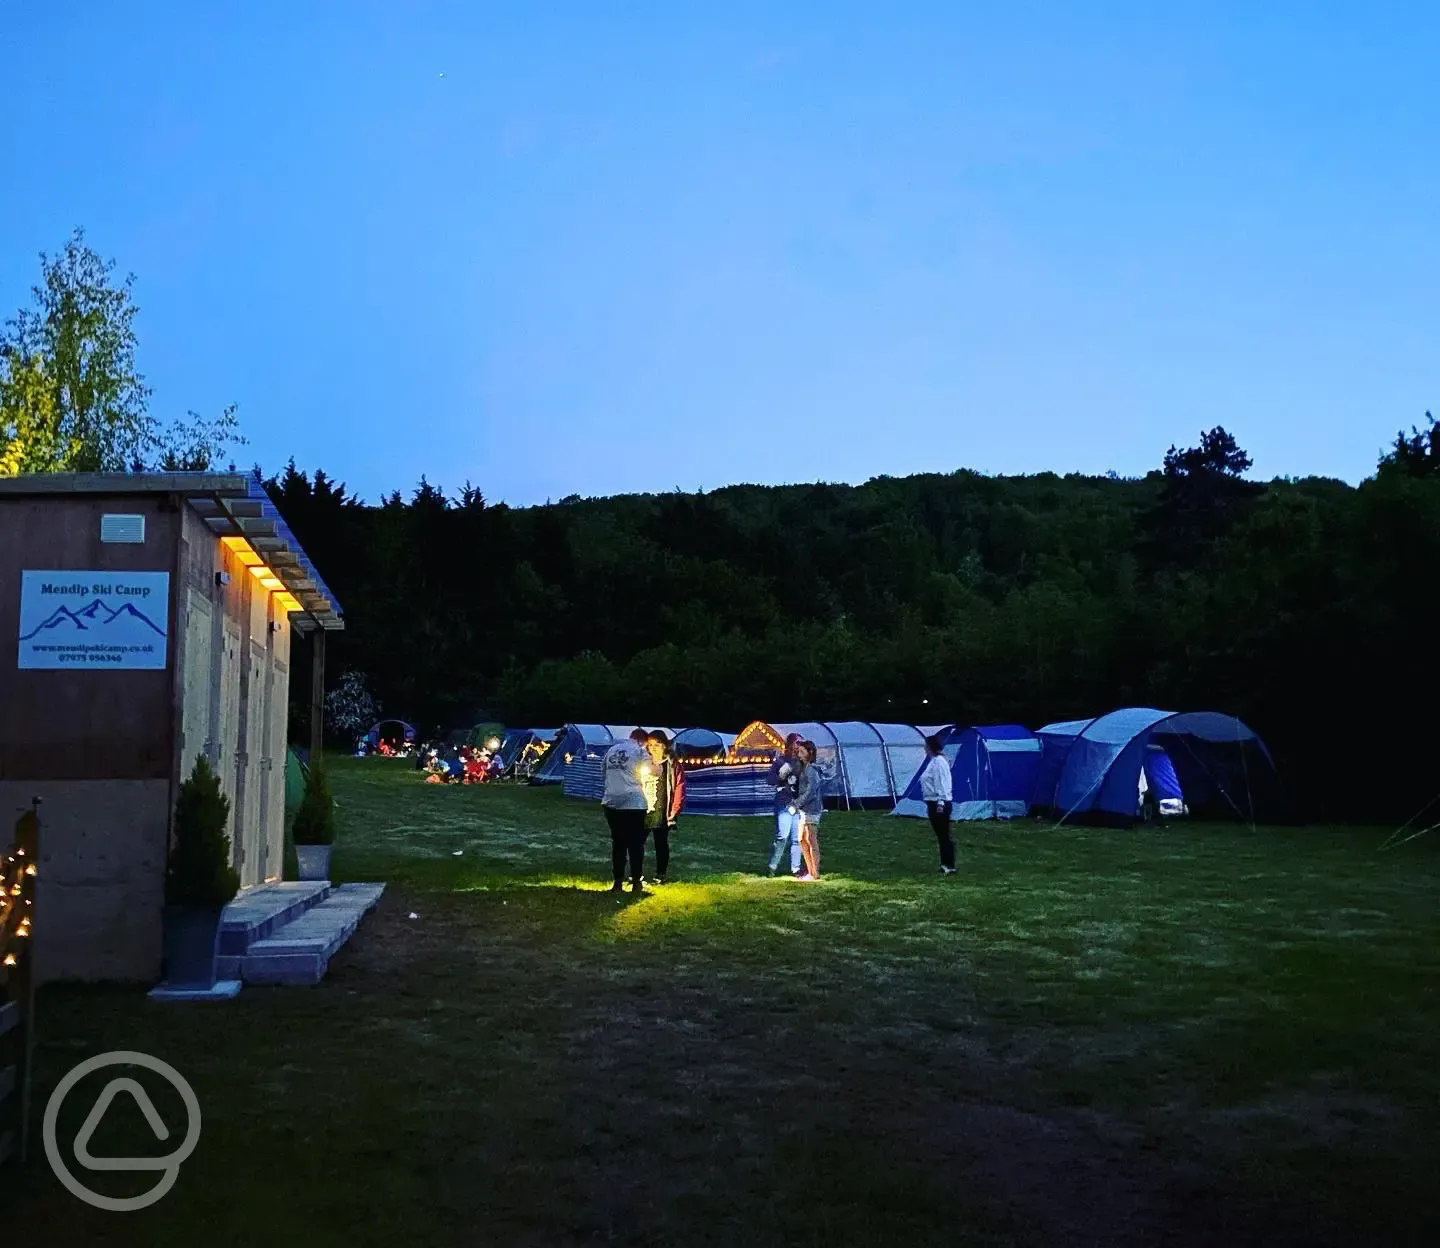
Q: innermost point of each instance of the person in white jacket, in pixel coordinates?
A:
(938, 795)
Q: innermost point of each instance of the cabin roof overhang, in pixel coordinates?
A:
(235, 507)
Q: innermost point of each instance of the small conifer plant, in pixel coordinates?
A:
(315, 820)
(199, 871)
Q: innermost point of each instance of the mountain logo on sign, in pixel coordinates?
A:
(90, 618)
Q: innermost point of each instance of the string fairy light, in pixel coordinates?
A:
(15, 870)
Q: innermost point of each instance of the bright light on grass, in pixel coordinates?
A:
(672, 904)
(584, 883)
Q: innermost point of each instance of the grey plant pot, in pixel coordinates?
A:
(192, 939)
(313, 861)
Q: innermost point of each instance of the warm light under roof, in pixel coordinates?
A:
(247, 555)
(242, 551)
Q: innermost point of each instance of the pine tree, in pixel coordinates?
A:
(199, 871)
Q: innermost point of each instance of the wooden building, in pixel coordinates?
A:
(145, 619)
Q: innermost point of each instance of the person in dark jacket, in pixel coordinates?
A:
(785, 779)
(669, 798)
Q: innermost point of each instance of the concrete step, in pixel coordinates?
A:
(259, 911)
(300, 951)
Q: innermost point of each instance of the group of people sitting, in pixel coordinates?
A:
(645, 791)
(383, 748)
(463, 764)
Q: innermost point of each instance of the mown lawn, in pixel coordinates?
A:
(1194, 1035)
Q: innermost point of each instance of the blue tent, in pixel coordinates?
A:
(517, 740)
(728, 789)
(1202, 761)
(576, 741)
(372, 738)
(992, 773)
(1056, 741)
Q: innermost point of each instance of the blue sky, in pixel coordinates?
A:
(642, 246)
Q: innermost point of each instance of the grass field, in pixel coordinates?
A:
(1185, 1036)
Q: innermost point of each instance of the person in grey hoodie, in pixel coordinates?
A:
(810, 800)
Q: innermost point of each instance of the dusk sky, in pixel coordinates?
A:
(590, 247)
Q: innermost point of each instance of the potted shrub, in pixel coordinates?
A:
(314, 830)
(199, 880)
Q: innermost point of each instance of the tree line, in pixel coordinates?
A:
(1305, 607)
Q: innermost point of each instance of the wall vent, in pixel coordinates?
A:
(128, 529)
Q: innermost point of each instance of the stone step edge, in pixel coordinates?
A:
(242, 931)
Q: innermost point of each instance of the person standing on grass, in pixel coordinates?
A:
(810, 801)
(669, 797)
(625, 767)
(939, 798)
(785, 778)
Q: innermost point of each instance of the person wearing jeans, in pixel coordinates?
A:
(626, 768)
(785, 777)
(811, 803)
(938, 795)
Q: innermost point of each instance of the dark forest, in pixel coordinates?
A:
(1305, 607)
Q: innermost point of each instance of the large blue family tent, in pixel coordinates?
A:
(1139, 762)
(992, 773)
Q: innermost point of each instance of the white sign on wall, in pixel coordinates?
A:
(112, 621)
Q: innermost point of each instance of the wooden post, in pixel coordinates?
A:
(317, 695)
(30, 840)
(17, 1006)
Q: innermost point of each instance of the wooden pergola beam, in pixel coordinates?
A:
(249, 508)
